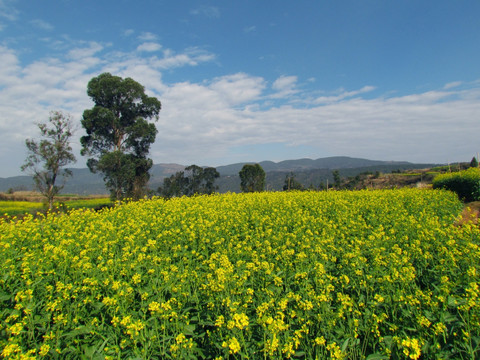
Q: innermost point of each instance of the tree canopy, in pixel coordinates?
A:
(119, 134)
(291, 183)
(194, 180)
(474, 162)
(252, 178)
(47, 157)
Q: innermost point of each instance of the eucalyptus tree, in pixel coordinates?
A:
(252, 178)
(119, 134)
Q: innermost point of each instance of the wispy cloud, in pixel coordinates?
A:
(128, 32)
(249, 29)
(207, 11)
(89, 50)
(452, 85)
(28, 92)
(343, 95)
(189, 57)
(8, 10)
(147, 36)
(238, 88)
(149, 47)
(284, 86)
(42, 25)
(395, 128)
(200, 120)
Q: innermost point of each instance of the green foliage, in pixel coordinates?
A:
(118, 134)
(95, 203)
(291, 183)
(47, 157)
(465, 183)
(126, 175)
(474, 162)
(299, 275)
(337, 179)
(194, 180)
(252, 178)
(173, 186)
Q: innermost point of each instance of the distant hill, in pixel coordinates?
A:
(307, 171)
(313, 178)
(335, 162)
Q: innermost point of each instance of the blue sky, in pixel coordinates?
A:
(253, 80)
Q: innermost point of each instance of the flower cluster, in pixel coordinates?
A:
(312, 275)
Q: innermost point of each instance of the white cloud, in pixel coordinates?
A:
(42, 25)
(434, 126)
(284, 86)
(190, 56)
(149, 47)
(238, 88)
(29, 92)
(10, 66)
(8, 10)
(91, 49)
(284, 82)
(452, 85)
(147, 36)
(207, 11)
(201, 120)
(249, 29)
(343, 95)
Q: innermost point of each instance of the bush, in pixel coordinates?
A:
(465, 183)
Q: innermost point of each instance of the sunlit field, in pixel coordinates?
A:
(384, 274)
(13, 208)
(18, 207)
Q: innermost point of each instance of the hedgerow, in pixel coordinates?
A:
(465, 183)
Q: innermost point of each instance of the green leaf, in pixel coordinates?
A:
(4, 296)
(377, 356)
(189, 330)
(299, 354)
(345, 345)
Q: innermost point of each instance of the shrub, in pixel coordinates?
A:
(465, 183)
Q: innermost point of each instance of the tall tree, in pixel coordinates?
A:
(194, 180)
(337, 179)
(291, 183)
(119, 135)
(47, 157)
(210, 174)
(474, 162)
(174, 186)
(252, 178)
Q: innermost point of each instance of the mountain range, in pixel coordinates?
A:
(307, 171)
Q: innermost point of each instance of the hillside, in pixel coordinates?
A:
(311, 173)
(335, 162)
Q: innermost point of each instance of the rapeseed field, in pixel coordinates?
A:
(307, 275)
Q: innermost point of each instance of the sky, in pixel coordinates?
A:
(253, 80)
